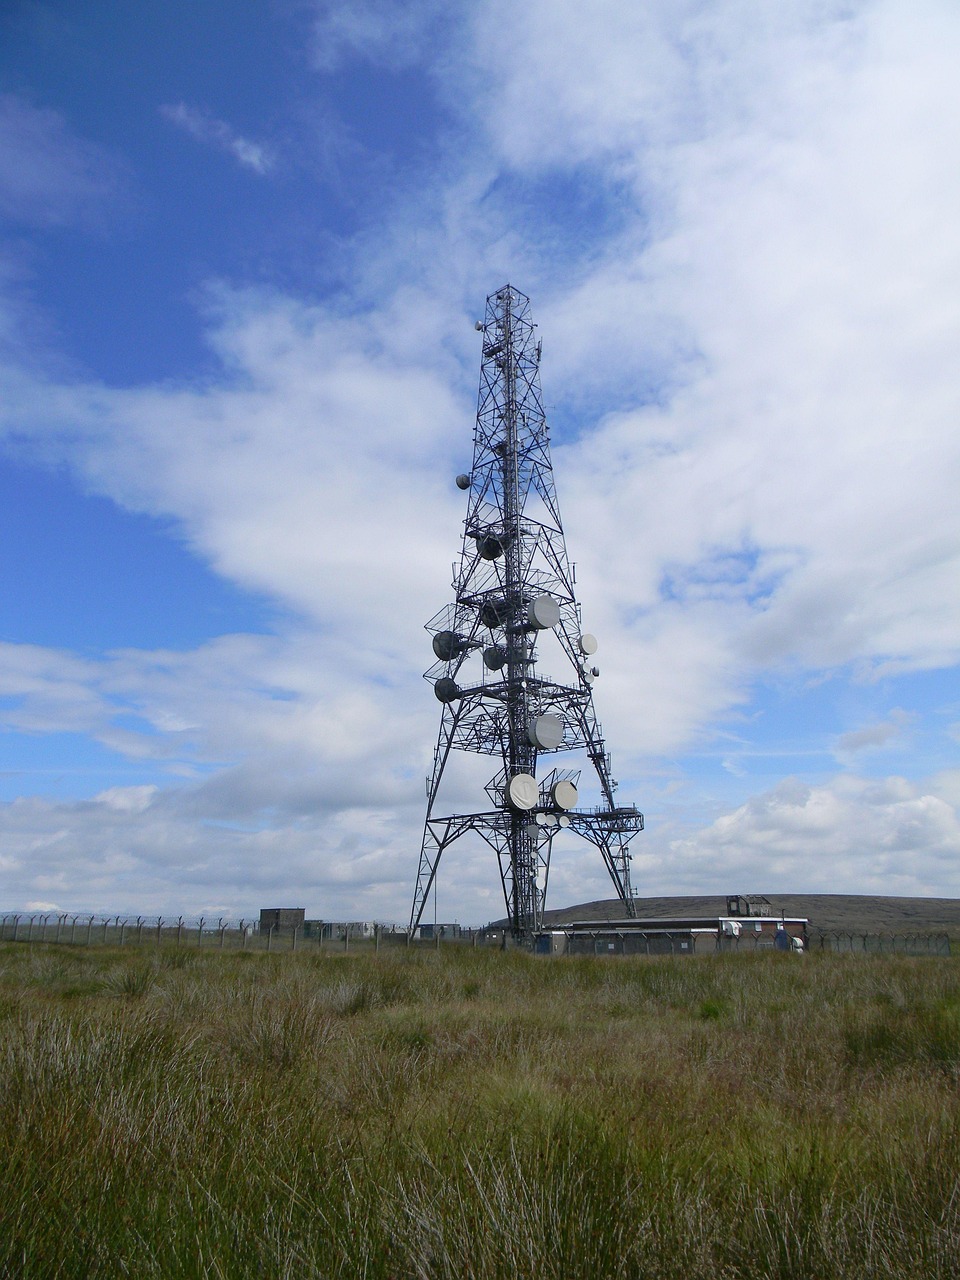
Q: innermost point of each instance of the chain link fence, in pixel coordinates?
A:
(901, 944)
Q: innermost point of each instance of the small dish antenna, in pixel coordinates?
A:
(447, 690)
(523, 792)
(564, 794)
(546, 732)
(447, 645)
(543, 613)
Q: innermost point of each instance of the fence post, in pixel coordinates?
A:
(376, 938)
(223, 928)
(179, 929)
(123, 928)
(346, 938)
(140, 924)
(200, 933)
(243, 935)
(60, 922)
(89, 929)
(159, 928)
(270, 937)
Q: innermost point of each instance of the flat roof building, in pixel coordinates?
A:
(675, 935)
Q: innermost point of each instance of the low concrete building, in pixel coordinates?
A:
(692, 935)
(339, 929)
(433, 931)
(281, 919)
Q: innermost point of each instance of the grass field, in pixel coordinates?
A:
(471, 1113)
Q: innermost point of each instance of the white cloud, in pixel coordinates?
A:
(208, 129)
(799, 232)
(395, 33)
(872, 736)
(49, 176)
(849, 835)
(127, 799)
(176, 854)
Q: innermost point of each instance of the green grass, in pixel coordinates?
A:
(477, 1114)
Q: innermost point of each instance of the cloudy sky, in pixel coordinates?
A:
(242, 250)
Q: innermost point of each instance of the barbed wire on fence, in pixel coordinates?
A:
(86, 928)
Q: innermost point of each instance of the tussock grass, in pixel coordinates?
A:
(477, 1114)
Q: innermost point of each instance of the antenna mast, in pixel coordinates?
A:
(514, 584)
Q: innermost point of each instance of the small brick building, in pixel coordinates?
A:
(281, 919)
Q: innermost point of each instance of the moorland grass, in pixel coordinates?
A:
(477, 1114)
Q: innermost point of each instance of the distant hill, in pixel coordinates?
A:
(828, 911)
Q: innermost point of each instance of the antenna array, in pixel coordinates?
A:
(514, 586)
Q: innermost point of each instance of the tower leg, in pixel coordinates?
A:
(431, 846)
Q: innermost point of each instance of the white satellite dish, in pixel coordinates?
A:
(546, 731)
(543, 613)
(564, 794)
(523, 792)
(588, 644)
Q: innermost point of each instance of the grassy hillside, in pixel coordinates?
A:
(827, 911)
(472, 1113)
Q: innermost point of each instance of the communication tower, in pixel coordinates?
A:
(513, 588)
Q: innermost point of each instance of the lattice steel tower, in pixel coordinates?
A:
(513, 586)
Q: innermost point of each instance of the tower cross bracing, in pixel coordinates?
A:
(513, 587)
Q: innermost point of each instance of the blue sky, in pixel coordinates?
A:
(241, 252)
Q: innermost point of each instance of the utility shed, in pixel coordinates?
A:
(281, 919)
(748, 904)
